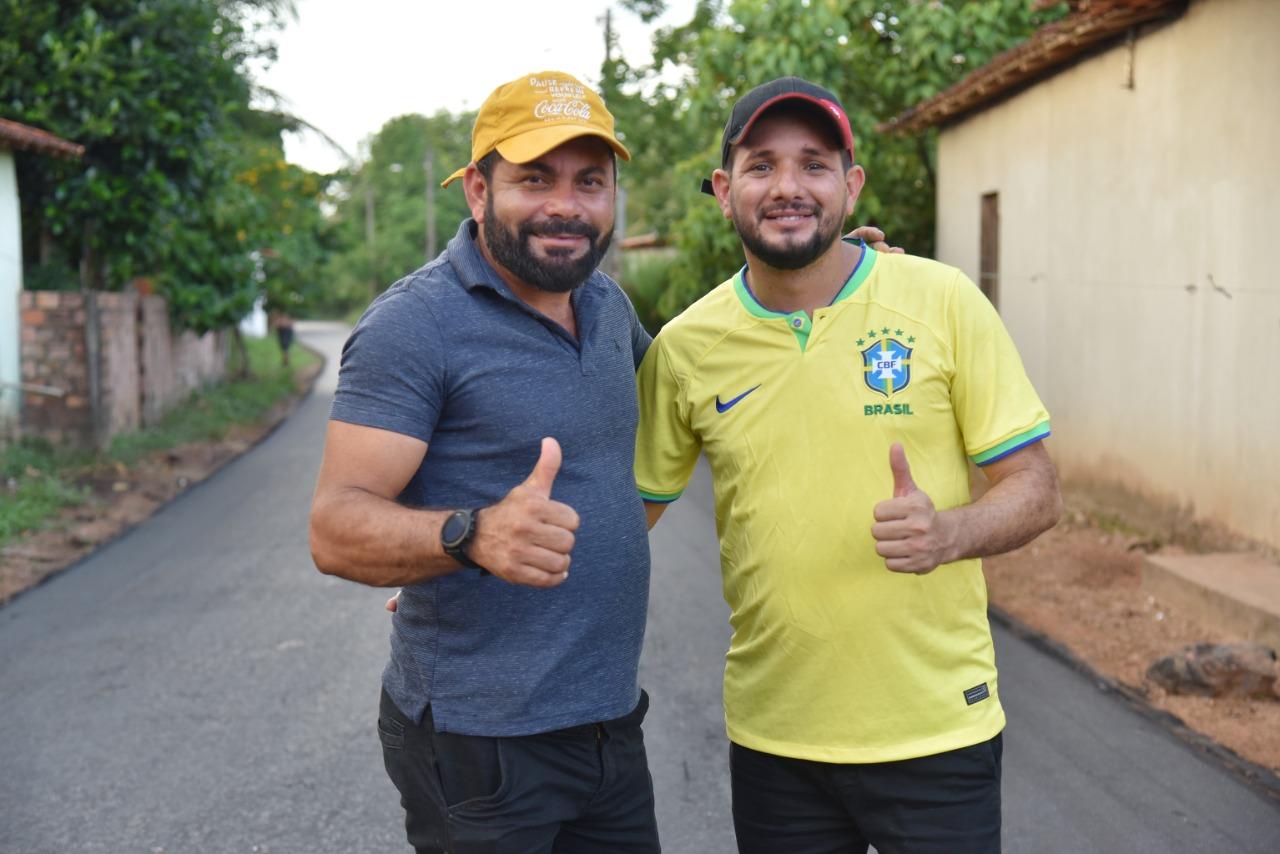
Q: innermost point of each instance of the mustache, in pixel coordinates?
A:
(796, 207)
(556, 227)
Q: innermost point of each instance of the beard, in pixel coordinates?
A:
(559, 272)
(791, 253)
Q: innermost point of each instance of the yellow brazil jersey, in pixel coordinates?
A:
(834, 657)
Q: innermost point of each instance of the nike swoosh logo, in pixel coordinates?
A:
(729, 404)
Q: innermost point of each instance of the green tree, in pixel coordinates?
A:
(153, 89)
(392, 184)
(290, 232)
(880, 56)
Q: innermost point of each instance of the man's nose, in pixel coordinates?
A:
(786, 181)
(563, 201)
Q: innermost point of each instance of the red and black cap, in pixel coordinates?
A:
(751, 105)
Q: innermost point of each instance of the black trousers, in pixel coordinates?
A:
(582, 790)
(943, 804)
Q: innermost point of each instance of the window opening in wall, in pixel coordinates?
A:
(989, 251)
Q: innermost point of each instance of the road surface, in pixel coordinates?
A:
(197, 686)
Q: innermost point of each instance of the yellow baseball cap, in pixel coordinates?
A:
(531, 115)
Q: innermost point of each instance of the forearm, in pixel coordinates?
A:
(653, 512)
(1013, 512)
(372, 540)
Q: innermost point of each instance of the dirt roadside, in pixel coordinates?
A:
(121, 497)
(1077, 591)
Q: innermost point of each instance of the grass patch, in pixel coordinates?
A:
(34, 487)
(37, 480)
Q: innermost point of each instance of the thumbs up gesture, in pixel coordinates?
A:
(910, 534)
(526, 537)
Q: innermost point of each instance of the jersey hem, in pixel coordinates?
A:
(955, 740)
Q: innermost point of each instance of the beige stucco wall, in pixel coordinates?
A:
(1137, 233)
(10, 284)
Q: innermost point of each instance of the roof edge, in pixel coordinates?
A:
(1050, 49)
(26, 138)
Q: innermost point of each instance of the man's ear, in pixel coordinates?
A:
(720, 185)
(474, 186)
(854, 179)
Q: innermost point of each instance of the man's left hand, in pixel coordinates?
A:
(874, 238)
(910, 534)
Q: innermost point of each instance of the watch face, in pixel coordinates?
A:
(454, 528)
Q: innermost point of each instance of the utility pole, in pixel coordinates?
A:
(612, 263)
(608, 37)
(369, 233)
(429, 170)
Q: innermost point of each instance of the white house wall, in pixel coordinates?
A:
(1137, 229)
(10, 284)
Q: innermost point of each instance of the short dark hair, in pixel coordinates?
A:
(485, 164)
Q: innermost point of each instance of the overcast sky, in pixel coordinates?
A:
(347, 67)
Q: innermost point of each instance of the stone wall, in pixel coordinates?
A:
(119, 375)
(143, 368)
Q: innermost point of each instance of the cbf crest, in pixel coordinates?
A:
(886, 366)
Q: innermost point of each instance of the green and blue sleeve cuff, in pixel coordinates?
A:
(1008, 446)
(660, 497)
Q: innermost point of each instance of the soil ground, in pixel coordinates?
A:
(1078, 585)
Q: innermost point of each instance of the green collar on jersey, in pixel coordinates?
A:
(797, 321)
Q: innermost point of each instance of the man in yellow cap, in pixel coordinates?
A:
(482, 433)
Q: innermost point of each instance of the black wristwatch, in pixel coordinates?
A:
(456, 534)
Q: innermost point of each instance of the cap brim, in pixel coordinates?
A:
(846, 133)
(455, 176)
(533, 144)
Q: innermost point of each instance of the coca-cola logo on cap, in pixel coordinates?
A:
(557, 109)
(564, 100)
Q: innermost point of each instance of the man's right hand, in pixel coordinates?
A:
(526, 537)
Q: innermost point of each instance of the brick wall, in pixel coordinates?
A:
(53, 354)
(144, 369)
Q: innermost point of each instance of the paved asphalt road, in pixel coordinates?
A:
(198, 687)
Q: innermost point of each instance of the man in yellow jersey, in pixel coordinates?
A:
(839, 394)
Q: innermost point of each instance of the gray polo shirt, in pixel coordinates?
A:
(451, 356)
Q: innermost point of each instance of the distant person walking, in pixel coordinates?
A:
(282, 323)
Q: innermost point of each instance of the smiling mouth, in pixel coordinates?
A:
(562, 244)
(789, 217)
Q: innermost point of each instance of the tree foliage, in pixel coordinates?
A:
(880, 56)
(392, 183)
(158, 92)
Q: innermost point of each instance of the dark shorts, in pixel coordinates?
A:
(582, 790)
(285, 336)
(943, 804)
